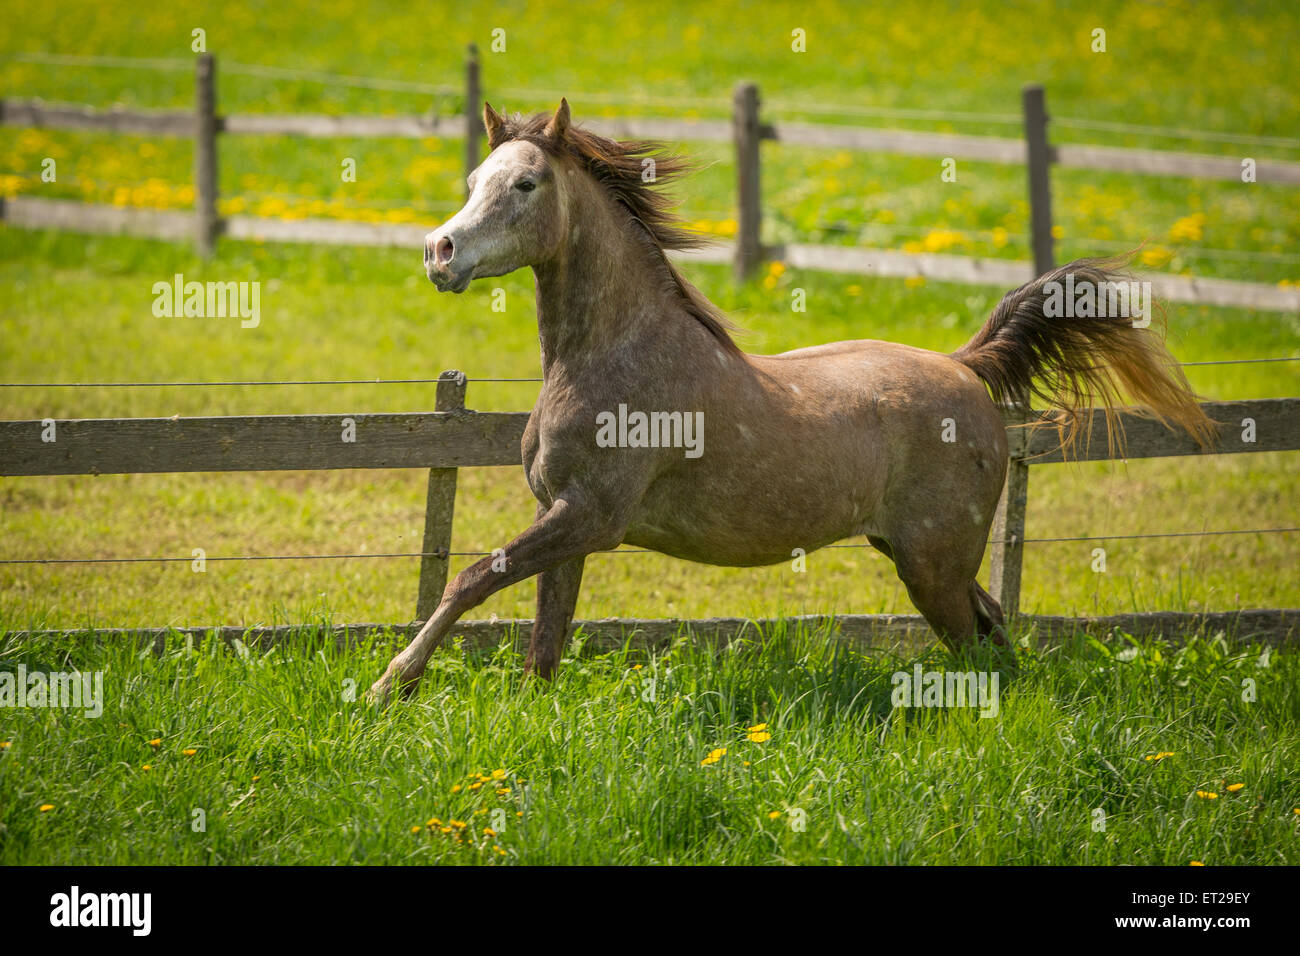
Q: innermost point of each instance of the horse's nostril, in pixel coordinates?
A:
(443, 251)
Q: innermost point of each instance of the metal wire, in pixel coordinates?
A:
(820, 107)
(345, 381)
(484, 554)
(429, 381)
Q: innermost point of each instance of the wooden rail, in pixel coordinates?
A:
(72, 214)
(461, 438)
(454, 437)
(992, 149)
(897, 633)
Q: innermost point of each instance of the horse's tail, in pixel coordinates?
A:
(1031, 346)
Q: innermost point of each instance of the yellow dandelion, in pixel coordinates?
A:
(776, 268)
(499, 774)
(769, 282)
(1160, 756)
(4, 744)
(457, 824)
(475, 786)
(1189, 228)
(1234, 787)
(189, 753)
(637, 667)
(1196, 863)
(256, 777)
(756, 728)
(774, 814)
(489, 832)
(146, 767)
(415, 829)
(1207, 794)
(445, 830)
(456, 788)
(433, 823)
(1156, 256)
(714, 756)
(937, 240)
(502, 791)
(46, 807)
(520, 813)
(760, 737)
(499, 851)
(854, 290)
(1058, 232)
(155, 743)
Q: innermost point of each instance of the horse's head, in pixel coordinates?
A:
(514, 216)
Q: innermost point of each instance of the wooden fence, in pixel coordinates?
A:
(746, 131)
(455, 437)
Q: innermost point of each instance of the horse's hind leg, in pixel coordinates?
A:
(940, 580)
(990, 623)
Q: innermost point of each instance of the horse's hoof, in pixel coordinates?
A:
(380, 693)
(393, 684)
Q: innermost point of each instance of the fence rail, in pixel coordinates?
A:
(898, 633)
(464, 438)
(455, 437)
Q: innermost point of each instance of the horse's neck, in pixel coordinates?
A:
(602, 297)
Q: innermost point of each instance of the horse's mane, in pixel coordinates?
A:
(616, 166)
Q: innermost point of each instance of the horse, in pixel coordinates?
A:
(905, 446)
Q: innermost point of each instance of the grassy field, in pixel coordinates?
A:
(600, 772)
(1099, 754)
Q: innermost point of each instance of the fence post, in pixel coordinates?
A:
(745, 132)
(440, 504)
(1040, 187)
(205, 154)
(1007, 559)
(1009, 521)
(473, 106)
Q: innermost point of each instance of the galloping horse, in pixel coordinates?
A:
(802, 449)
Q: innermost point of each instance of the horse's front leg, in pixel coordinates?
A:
(565, 532)
(557, 596)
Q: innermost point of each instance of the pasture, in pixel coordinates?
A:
(601, 767)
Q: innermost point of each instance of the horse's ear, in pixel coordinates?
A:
(495, 124)
(559, 123)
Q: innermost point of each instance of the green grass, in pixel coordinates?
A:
(605, 767)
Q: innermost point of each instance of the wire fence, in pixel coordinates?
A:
(614, 98)
(172, 559)
(431, 381)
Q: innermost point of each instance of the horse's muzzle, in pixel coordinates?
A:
(439, 252)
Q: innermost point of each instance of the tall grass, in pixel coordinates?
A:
(612, 763)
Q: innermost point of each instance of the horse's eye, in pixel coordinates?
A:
(525, 185)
